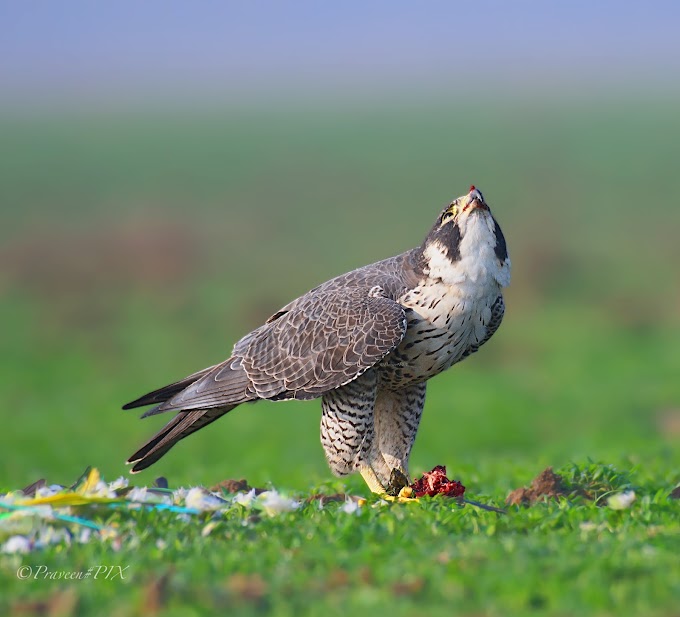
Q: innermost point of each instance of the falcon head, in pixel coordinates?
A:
(467, 241)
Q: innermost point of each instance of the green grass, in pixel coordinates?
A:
(567, 557)
(136, 249)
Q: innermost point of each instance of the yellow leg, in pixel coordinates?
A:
(371, 479)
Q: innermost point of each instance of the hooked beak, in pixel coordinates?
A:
(474, 200)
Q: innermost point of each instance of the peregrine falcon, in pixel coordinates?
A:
(365, 342)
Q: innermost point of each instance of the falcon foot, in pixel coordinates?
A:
(398, 488)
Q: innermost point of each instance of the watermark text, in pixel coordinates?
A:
(96, 573)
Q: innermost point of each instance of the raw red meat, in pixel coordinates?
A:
(435, 482)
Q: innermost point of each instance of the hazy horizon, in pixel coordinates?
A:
(83, 52)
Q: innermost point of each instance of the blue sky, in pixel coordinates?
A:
(253, 47)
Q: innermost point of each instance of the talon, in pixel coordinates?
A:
(398, 482)
(406, 495)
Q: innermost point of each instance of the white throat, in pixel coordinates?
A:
(478, 266)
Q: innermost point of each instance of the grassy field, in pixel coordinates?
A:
(136, 248)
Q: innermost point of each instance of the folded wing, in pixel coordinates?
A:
(317, 343)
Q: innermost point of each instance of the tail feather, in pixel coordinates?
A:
(222, 385)
(183, 424)
(199, 400)
(166, 392)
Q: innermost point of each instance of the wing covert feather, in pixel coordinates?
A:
(315, 344)
(322, 341)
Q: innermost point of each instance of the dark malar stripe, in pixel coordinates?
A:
(500, 249)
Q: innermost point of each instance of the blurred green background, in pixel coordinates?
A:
(143, 235)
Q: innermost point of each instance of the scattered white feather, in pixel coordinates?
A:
(49, 491)
(621, 501)
(200, 500)
(17, 544)
(139, 494)
(245, 499)
(12, 497)
(102, 489)
(179, 495)
(351, 507)
(47, 535)
(273, 503)
(119, 483)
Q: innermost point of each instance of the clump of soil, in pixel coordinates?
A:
(545, 485)
(668, 423)
(675, 493)
(234, 486)
(435, 482)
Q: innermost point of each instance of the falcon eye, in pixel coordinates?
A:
(450, 212)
